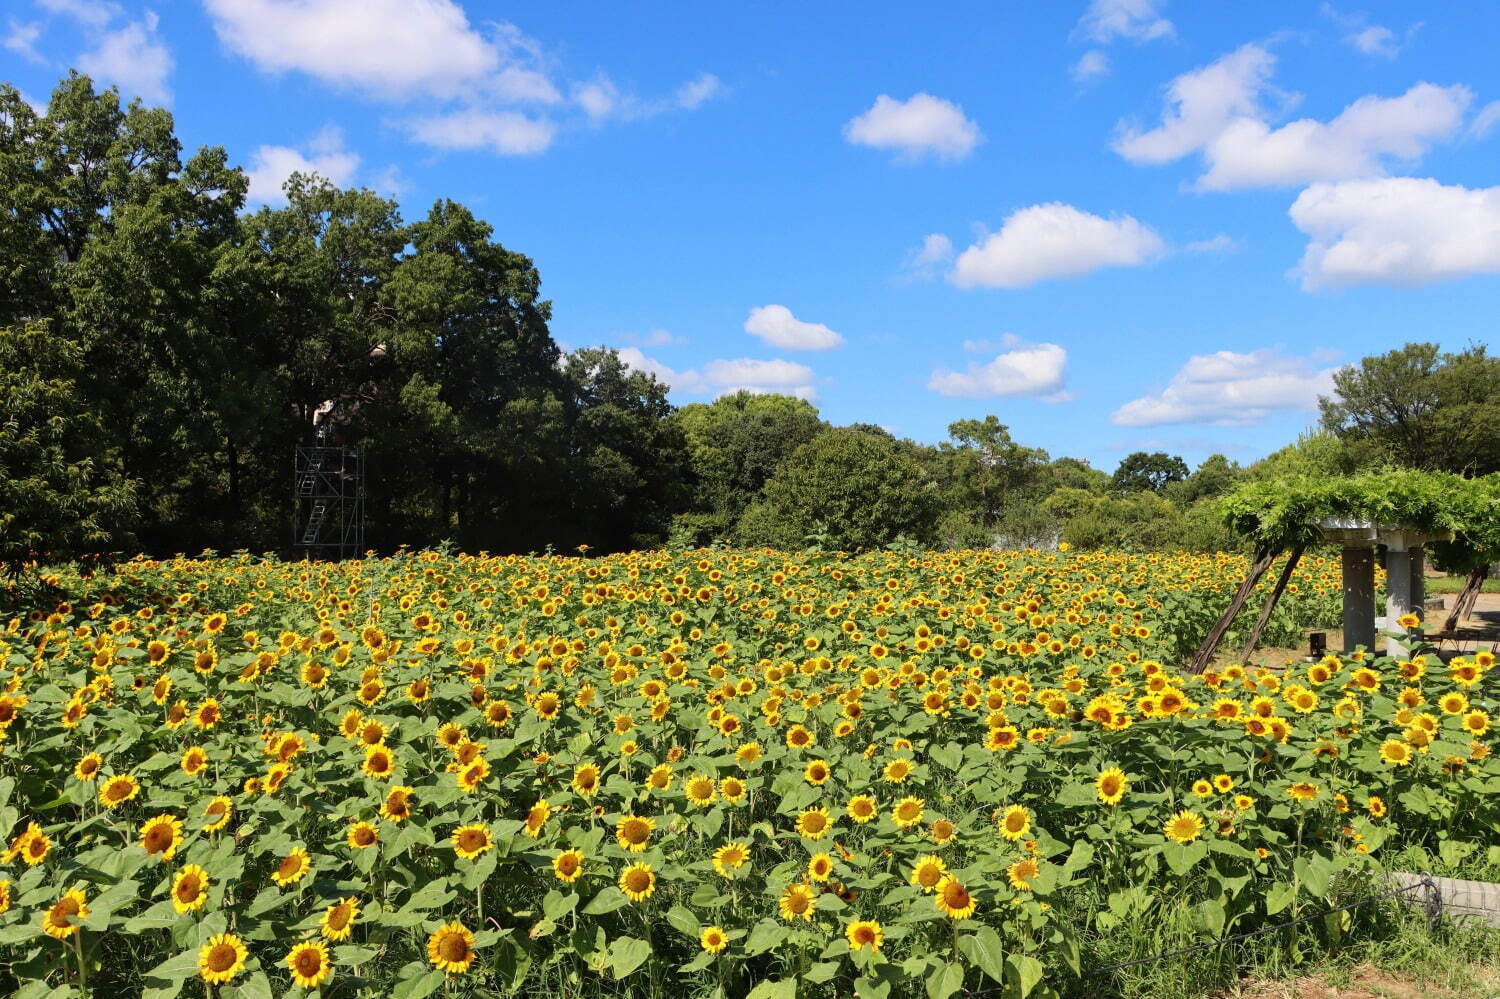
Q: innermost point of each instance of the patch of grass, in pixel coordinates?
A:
(1446, 585)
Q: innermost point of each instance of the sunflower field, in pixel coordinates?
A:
(711, 773)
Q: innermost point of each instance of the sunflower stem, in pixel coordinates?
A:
(83, 974)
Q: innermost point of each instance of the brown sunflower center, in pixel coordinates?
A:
(454, 948)
(222, 957)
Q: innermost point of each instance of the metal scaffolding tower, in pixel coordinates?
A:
(330, 496)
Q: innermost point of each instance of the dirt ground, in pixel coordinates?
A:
(1366, 982)
(1486, 616)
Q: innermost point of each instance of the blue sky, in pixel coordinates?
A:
(1117, 224)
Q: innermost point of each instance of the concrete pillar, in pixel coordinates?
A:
(1359, 597)
(1397, 595)
(1419, 580)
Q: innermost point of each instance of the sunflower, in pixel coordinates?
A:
(700, 790)
(1223, 783)
(897, 770)
(1015, 822)
(4, 895)
(451, 948)
(470, 777)
(397, 804)
(862, 808)
(309, 964)
(362, 836)
(1022, 873)
(190, 889)
(634, 832)
(379, 762)
(638, 882)
(1203, 788)
(907, 812)
(218, 811)
(928, 871)
(797, 902)
(338, 919)
(730, 856)
(568, 866)
(117, 790)
(472, 840)
(161, 836)
(32, 846)
(1183, 827)
(1111, 785)
(293, 867)
(1395, 752)
(953, 899)
(713, 939)
(207, 715)
(819, 867)
(194, 761)
(733, 790)
(943, 831)
(747, 754)
(864, 933)
(817, 773)
(1303, 791)
(1476, 722)
(88, 767)
(536, 818)
(814, 823)
(586, 780)
(222, 958)
(62, 919)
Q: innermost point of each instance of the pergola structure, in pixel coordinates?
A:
(1410, 514)
(1405, 575)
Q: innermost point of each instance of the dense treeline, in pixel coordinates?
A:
(163, 350)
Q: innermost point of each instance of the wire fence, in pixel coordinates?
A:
(1433, 908)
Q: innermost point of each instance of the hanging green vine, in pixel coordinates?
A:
(1285, 512)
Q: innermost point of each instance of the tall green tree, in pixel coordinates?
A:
(1420, 407)
(61, 491)
(847, 489)
(736, 443)
(1149, 472)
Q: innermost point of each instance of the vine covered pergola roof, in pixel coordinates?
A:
(1286, 513)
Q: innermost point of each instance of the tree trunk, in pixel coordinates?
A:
(233, 456)
(1467, 597)
(1259, 563)
(1272, 599)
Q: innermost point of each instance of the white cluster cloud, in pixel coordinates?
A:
(504, 132)
(130, 55)
(923, 125)
(776, 325)
(1217, 112)
(394, 48)
(602, 99)
(1106, 21)
(924, 262)
(1362, 36)
(724, 377)
(1136, 20)
(1020, 369)
(1090, 66)
(21, 37)
(1226, 388)
(325, 155)
(491, 89)
(1396, 230)
(1221, 243)
(1054, 240)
